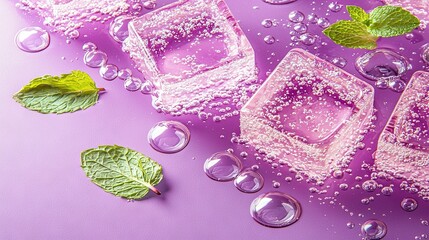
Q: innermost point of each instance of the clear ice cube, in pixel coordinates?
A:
(309, 114)
(192, 50)
(403, 146)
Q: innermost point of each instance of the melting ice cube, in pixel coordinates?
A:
(192, 51)
(403, 146)
(309, 113)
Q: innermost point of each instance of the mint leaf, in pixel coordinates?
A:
(351, 34)
(390, 21)
(121, 171)
(59, 94)
(357, 13)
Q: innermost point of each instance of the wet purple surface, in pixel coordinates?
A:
(46, 195)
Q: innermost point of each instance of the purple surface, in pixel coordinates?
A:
(46, 195)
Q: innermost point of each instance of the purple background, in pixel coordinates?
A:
(46, 195)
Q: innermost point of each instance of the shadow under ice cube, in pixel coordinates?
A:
(309, 114)
(403, 146)
(192, 51)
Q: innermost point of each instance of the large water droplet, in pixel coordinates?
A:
(32, 39)
(374, 229)
(307, 39)
(109, 72)
(397, 84)
(296, 16)
(222, 166)
(382, 63)
(95, 59)
(300, 28)
(278, 2)
(275, 209)
(249, 181)
(409, 204)
(133, 84)
(118, 29)
(169, 136)
(125, 73)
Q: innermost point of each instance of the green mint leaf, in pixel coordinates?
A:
(357, 13)
(121, 171)
(390, 21)
(351, 34)
(59, 94)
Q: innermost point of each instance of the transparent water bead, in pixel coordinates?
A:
(300, 28)
(109, 72)
(307, 39)
(32, 39)
(373, 229)
(95, 59)
(118, 28)
(147, 87)
(149, 4)
(323, 22)
(125, 73)
(269, 39)
(278, 2)
(222, 166)
(425, 53)
(339, 62)
(267, 23)
(335, 6)
(169, 136)
(249, 181)
(369, 185)
(382, 63)
(132, 84)
(275, 209)
(296, 16)
(409, 204)
(89, 46)
(396, 84)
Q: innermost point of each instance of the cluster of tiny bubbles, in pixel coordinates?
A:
(169, 136)
(409, 204)
(425, 53)
(275, 209)
(32, 39)
(373, 229)
(249, 181)
(339, 62)
(118, 28)
(385, 67)
(335, 6)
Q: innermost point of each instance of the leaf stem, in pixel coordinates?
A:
(101, 90)
(154, 190)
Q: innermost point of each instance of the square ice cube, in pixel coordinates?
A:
(309, 114)
(403, 146)
(191, 50)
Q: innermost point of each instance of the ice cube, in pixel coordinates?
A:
(309, 114)
(192, 50)
(403, 146)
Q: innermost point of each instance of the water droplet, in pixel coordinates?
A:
(109, 72)
(125, 73)
(278, 2)
(133, 84)
(350, 225)
(312, 18)
(382, 63)
(374, 229)
(425, 222)
(267, 23)
(369, 185)
(73, 34)
(169, 136)
(307, 39)
(337, 174)
(255, 167)
(339, 62)
(32, 39)
(89, 46)
(323, 22)
(296, 16)
(275, 209)
(147, 87)
(425, 53)
(118, 29)
(335, 6)
(344, 186)
(409, 204)
(276, 184)
(269, 39)
(387, 191)
(300, 28)
(397, 85)
(249, 181)
(365, 201)
(150, 4)
(382, 83)
(95, 59)
(222, 166)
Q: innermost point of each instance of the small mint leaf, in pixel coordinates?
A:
(351, 34)
(357, 13)
(390, 21)
(59, 94)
